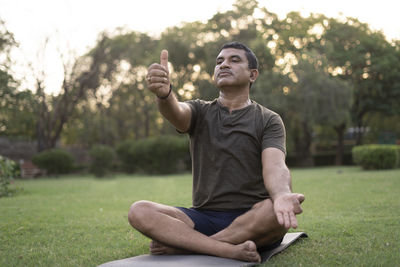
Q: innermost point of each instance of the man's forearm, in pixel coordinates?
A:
(177, 113)
(278, 181)
(276, 174)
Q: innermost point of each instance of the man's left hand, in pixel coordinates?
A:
(286, 206)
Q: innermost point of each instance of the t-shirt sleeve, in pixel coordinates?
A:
(274, 134)
(194, 107)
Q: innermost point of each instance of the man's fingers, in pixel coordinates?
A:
(279, 217)
(293, 220)
(155, 87)
(286, 208)
(157, 72)
(157, 79)
(164, 59)
(287, 220)
(298, 209)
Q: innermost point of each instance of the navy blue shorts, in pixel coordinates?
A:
(210, 222)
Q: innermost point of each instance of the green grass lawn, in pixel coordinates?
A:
(352, 218)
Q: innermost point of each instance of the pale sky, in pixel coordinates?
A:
(75, 24)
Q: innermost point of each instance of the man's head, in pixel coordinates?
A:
(251, 57)
(236, 66)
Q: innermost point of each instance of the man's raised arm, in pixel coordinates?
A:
(178, 113)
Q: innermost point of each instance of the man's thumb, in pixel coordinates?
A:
(301, 198)
(164, 58)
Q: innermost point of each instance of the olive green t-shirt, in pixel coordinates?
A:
(226, 153)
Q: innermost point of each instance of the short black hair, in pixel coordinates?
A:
(251, 57)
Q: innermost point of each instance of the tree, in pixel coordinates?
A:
(16, 112)
(53, 111)
(7, 42)
(316, 98)
(121, 108)
(129, 111)
(369, 62)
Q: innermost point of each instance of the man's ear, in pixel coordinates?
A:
(253, 75)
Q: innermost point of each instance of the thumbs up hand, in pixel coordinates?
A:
(157, 77)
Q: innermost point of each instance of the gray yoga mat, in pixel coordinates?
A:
(199, 260)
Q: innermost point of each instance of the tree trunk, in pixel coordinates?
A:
(146, 113)
(340, 143)
(359, 135)
(360, 124)
(303, 145)
(41, 140)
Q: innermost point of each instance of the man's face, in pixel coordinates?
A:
(232, 69)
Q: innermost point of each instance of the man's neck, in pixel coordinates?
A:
(233, 100)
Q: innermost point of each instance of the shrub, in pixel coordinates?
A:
(102, 160)
(398, 156)
(159, 155)
(54, 161)
(126, 154)
(376, 156)
(7, 174)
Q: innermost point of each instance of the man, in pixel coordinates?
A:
(242, 197)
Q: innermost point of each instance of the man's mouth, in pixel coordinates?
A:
(224, 73)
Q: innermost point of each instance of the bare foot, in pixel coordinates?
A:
(247, 251)
(157, 248)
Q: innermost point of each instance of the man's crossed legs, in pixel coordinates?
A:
(172, 231)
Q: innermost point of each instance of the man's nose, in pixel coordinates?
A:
(224, 64)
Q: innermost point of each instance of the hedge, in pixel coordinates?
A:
(102, 159)
(7, 174)
(158, 155)
(376, 156)
(126, 155)
(54, 161)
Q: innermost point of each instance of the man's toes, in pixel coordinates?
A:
(250, 246)
(251, 251)
(156, 251)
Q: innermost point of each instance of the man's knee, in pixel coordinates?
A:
(265, 219)
(265, 204)
(264, 224)
(139, 214)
